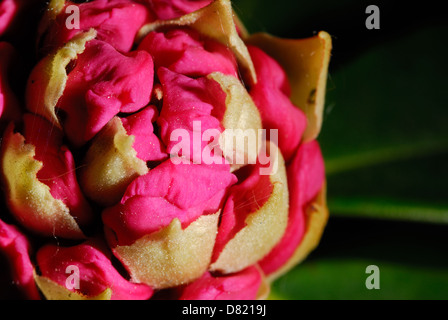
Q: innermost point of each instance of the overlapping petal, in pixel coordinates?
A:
(186, 52)
(103, 83)
(244, 285)
(167, 192)
(116, 22)
(306, 175)
(165, 10)
(91, 262)
(271, 95)
(39, 180)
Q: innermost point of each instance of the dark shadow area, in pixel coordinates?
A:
(416, 244)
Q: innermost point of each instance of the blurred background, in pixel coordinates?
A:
(385, 143)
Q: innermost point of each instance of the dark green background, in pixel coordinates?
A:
(385, 143)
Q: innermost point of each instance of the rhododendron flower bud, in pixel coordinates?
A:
(170, 153)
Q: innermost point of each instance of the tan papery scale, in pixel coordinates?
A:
(171, 256)
(29, 199)
(54, 8)
(264, 227)
(111, 164)
(305, 62)
(48, 79)
(316, 219)
(241, 121)
(54, 291)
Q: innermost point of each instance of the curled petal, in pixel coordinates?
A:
(217, 103)
(91, 263)
(187, 113)
(118, 154)
(8, 10)
(163, 229)
(240, 119)
(254, 217)
(103, 83)
(187, 52)
(244, 285)
(271, 95)
(306, 63)
(307, 214)
(29, 199)
(48, 79)
(16, 247)
(165, 10)
(214, 21)
(147, 144)
(58, 170)
(172, 256)
(115, 21)
(167, 192)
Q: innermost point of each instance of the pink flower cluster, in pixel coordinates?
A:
(86, 161)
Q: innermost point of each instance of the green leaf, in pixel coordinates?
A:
(276, 17)
(345, 279)
(388, 104)
(411, 258)
(389, 209)
(414, 189)
(385, 133)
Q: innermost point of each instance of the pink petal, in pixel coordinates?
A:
(15, 17)
(306, 174)
(147, 144)
(103, 83)
(116, 22)
(95, 270)
(189, 106)
(152, 201)
(186, 52)
(9, 105)
(244, 198)
(15, 246)
(165, 10)
(59, 169)
(243, 285)
(8, 10)
(271, 95)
